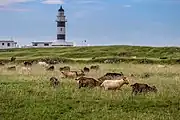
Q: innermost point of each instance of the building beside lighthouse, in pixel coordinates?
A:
(61, 33)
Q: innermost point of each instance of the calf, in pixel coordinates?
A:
(114, 84)
(142, 88)
(51, 68)
(54, 82)
(87, 82)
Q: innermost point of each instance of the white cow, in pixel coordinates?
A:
(44, 64)
(114, 84)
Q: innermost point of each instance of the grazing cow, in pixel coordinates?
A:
(114, 84)
(54, 82)
(95, 67)
(12, 68)
(65, 68)
(86, 69)
(13, 59)
(44, 64)
(111, 76)
(142, 88)
(51, 68)
(87, 82)
(26, 63)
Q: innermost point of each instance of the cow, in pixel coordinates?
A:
(26, 63)
(12, 68)
(114, 84)
(86, 69)
(25, 69)
(95, 67)
(2, 64)
(69, 74)
(87, 82)
(142, 88)
(44, 64)
(111, 76)
(65, 68)
(13, 59)
(51, 68)
(54, 82)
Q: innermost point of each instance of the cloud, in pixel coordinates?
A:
(87, 1)
(8, 2)
(53, 2)
(2, 8)
(126, 6)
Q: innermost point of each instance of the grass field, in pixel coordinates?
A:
(29, 97)
(93, 51)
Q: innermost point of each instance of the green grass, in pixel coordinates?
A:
(29, 96)
(94, 51)
(121, 53)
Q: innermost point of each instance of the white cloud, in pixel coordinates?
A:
(87, 1)
(8, 2)
(53, 2)
(13, 9)
(127, 6)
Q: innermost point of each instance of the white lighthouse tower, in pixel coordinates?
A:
(61, 30)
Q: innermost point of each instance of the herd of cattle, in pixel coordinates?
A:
(109, 81)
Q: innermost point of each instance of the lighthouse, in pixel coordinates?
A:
(61, 25)
(60, 40)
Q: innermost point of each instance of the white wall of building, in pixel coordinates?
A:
(7, 44)
(41, 44)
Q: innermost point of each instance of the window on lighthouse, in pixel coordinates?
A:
(61, 29)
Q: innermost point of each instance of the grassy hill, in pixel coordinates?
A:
(100, 52)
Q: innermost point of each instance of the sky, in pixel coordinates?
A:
(99, 22)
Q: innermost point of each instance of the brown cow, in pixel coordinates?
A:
(111, 76)
(142, 88)
(87, 82)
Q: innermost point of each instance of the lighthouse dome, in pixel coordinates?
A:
(61, 9)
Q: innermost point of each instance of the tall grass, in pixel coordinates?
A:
(29, 96)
